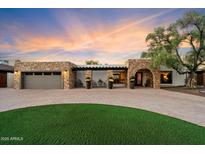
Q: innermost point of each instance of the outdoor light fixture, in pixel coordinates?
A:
(65, 71)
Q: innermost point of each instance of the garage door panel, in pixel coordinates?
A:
(42, 82)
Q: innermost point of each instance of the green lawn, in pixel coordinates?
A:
(95, 124)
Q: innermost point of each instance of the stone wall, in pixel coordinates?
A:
(135, 65)
(42, 66)
(69, 76)
(17, 80)
(64, 67)
(88, 73)
(109, 73)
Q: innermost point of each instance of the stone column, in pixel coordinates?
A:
(129, 74)
(68, 79)
(156, 79)
(109, 73)
(71, 79)
(65, 75)
(17, 80)
(88, 73)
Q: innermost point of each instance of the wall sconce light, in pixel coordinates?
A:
(65, 71)
(16, 71)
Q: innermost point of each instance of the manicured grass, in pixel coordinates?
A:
(95, 124)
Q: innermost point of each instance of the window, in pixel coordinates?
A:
(56, 73)
(47, 73)
(166, 77)
(38, 73)
(29, 73)
(116, 78)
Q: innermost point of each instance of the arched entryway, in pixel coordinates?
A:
(143, 78)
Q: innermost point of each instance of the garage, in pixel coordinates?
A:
(42, 80)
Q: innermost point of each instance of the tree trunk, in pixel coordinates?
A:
(191, 82)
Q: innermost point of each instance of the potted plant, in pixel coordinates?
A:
(110, 82)
(88, 82)
(132, 82)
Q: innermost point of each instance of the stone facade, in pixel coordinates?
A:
(134, 65)
(69, 76)
(88, 73)
(17, 80)
(110, 73)
(65, 68)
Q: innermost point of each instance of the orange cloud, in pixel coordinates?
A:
(124, 36)
(129, 39)
(6, 46)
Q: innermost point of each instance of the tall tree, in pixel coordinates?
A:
(180, 45)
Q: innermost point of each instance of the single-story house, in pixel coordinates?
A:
(66, 75)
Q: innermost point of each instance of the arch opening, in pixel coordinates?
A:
(144, 78)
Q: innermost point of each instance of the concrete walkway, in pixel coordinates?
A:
(183, 106)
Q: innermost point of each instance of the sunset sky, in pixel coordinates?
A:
(108, 35)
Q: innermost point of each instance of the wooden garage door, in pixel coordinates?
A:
(3, 80)
(42, 80)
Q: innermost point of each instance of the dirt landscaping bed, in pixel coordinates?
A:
(198, 91)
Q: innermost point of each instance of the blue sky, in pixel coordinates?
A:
(107, 35)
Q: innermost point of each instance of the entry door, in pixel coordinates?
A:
(138, 78)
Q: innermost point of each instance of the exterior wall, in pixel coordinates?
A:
(65, 67)
(10, 80)
(177, 79)
(135, 65)
(69, 77)
(109, 73)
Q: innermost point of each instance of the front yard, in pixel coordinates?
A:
(95, 124)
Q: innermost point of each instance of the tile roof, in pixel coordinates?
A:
(105, 66)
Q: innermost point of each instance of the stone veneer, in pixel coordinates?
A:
(68, 76)
(135, 65)
(65, 68)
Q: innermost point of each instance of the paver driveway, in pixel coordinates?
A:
(184, 106)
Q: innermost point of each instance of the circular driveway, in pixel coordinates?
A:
(183, 106)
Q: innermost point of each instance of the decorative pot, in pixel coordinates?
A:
(110, 85)
(88, 84)
(132, 85)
